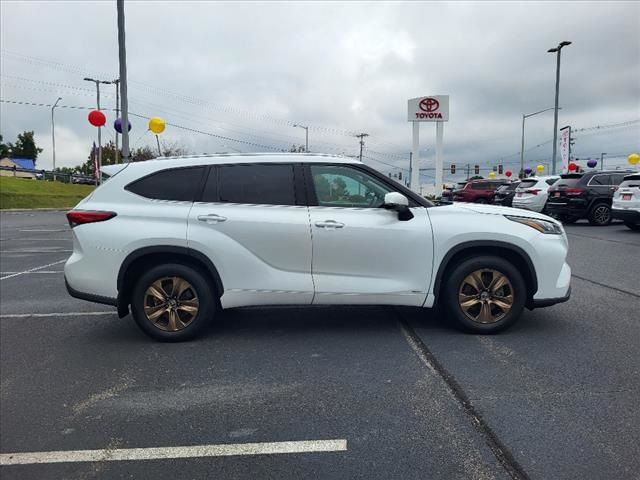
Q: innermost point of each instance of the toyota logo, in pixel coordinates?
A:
(429, 104)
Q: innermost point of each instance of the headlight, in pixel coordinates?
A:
(543, 226)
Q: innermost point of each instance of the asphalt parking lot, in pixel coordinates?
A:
(326, 392)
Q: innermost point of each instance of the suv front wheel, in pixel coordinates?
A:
(485, 294)
(172, 302)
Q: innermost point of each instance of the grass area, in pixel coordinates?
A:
(28, 193)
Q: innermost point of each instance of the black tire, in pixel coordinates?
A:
(600, 215)
(454, 283)
(199, 287)
(633, 226)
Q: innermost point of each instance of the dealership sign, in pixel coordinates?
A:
(565, 146)
(429, 109)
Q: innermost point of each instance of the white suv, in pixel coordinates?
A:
(532, 193)
(177, 239)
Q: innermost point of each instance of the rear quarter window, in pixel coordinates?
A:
(176, 184)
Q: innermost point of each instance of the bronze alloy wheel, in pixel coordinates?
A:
(171, 303)
(485, 296)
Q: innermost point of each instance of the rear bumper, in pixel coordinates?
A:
(88, 296)
(572, 208)
(631, 216)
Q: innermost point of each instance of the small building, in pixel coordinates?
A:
(11, 167)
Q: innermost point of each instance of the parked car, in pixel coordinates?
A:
(82, 180)
(478, 191)
(531, 194)
(585, 195)
(626, 202)
(450, 190)
(176, 240)
(505, 193)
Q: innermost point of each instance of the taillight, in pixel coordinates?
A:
(533, 191)
(574, 191)
(79, 217)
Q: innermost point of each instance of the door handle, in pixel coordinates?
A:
(329, 224)
(211, 218)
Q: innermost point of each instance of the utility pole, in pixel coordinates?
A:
(122, 56)
(557, 50)
(53, 138)
(116, 82)
(361, 137)
(602, 160)
(98, 82)
(468, 171)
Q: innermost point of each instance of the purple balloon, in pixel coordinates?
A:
(528, 170)
(118, 125)
(592, 163)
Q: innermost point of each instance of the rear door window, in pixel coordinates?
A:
(617, 178)
(600, 180)
(256, 184)
(176, 184)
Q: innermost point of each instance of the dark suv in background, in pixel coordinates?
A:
(584, 195)
(478, 191)
(505, 193)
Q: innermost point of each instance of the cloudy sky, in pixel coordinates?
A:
(248, 71)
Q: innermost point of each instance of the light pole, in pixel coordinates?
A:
(557, 50)
(524, 116)
(53, 137)
(122, 58)
(98, 82)
(306, 141)
(602, 160)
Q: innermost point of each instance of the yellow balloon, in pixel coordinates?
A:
(492, 174)
(634, 158)
(156, 125)
(540, 168)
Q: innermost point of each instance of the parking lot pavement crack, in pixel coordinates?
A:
(626, 292)
(499, 450)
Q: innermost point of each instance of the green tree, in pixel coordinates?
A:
(4, 148)
(25, 147)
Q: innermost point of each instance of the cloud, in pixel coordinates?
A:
(250, 70)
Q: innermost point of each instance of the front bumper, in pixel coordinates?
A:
(630, 216)
(547, 302)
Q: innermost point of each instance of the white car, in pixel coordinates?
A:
(532, 193)
(626, 202)
(177, 239)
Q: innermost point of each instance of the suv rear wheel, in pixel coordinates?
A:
(172, 302)
(600, 214)
(485, 294)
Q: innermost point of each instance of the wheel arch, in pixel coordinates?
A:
(512, 253)
(135, 263)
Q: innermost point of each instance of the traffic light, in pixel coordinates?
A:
(476, 169)
(399, 175)
(495, 169)
(453, 169)
(500, 169)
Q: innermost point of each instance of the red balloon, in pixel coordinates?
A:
(508, 173)
(97, 118)
(572, 166)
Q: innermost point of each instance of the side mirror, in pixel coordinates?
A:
(397, 202)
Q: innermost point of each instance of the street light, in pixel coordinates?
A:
(53, 137)
(555, 115)
(306, 142)
(524, 116)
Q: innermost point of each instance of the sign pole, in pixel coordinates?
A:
(415, 159)
(439, 160)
